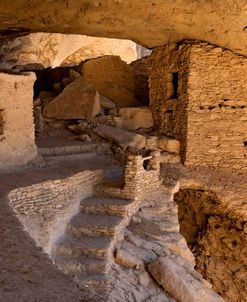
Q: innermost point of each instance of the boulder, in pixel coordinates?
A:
(44, 94)
(105, 103)
(66, 81)
(57, 87)
(122, 138)
(181, 284)
(112, 78)
(77, 101)
(74, 74)
(136, 117)
(169, 145)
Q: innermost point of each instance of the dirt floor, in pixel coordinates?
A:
(27, 274)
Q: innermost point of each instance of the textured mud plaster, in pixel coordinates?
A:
(17, 144)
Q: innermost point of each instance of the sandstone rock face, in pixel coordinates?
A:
(134, 118)
(35, 50)
(94, 47)
(216, 232)
(43, 49)
(112, 78)
(141, 71)
(122, 138)
(150, 23)
(179, 284)
(77, 101)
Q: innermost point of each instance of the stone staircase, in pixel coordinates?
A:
(87, 247)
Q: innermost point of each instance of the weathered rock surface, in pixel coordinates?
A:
(141, 68)
(127, 260)
(94, 47)
(106, 104)
(45, 49)
(77, 101)
(135, 118)
(169, 145)
(153, 234)
(150, 23)
(112, 78)
(122, 138)
(179, 283)
(217, 238)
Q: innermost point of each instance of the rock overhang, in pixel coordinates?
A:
(149, 23)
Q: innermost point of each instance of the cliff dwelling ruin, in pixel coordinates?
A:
(123, 151)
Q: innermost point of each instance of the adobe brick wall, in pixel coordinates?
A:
(17, 142)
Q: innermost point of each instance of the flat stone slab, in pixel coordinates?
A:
(122, 138)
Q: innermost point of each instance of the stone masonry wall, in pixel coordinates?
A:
(138, 181)
(168, 73)
(207, 113)
(217, 109)
(17, 145)
(45, 208)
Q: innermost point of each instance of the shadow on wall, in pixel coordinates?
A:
(217, 241)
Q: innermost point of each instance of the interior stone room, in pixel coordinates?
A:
(123, 151)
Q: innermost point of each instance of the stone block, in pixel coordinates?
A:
(122, 138)
(169, 145)
(136, 117)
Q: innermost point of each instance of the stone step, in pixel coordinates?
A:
(82, 246)
(93, 225)
(97, 283)
(97, 205)
(81, 265)
(69, 157)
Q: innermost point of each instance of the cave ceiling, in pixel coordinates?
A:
(149, 23)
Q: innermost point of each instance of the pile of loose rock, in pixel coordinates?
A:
(99, 102)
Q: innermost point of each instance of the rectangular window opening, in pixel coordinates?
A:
(1, 121)
(245, 144)
(175, 84)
